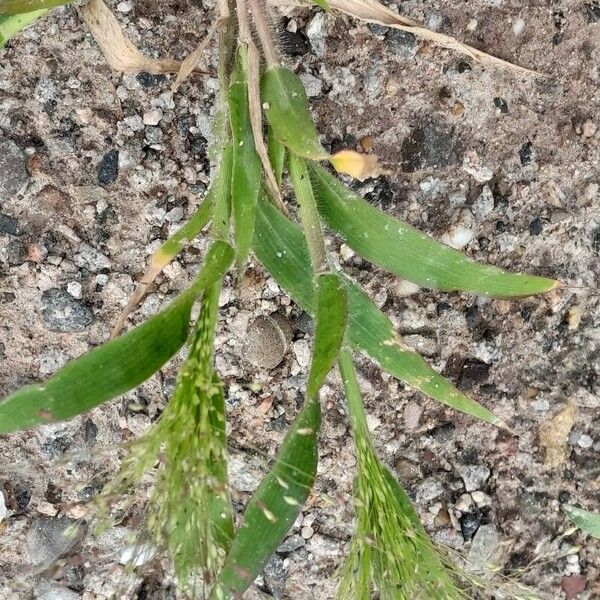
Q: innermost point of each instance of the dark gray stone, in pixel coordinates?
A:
(63, 313)
(13, 174)
(402, 43)
(430, 145)
(108, 171)
(16, 252)
(292, 543)
(275, 577)
(51, 538)
(9, 225)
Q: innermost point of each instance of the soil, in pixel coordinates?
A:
(510, 160)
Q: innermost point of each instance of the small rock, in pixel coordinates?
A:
(312, 85)
(266, 343)
(406, 288)
(574, 317)
(429, 145)
(13, 174)
(74, 288)
(429, 490)
(108, 171)
(9, 225)
(526, 153)
(474, 476)
(469, 524)
(473, 372)
(63, 313)
(443, 433)
(501, 104)
(473, 166)
(592, 10)
(316, 32)
(292, 543)
(302, 352)
(573, 584)
(484, 204)
(148, 80)
(486, 550)
(153, 117)
(412, 414)
(402, 43)
(585, 441)
(461, 232)
(91, 259)
(275, 577)
(307, 532)
(554, 435)
(49, 539)
(52, 358)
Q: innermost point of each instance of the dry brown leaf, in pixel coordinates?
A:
(118, 50)
(374, 12)
(554, 435)
(191, 61)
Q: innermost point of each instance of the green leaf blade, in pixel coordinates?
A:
(286, 108)
(11, 25)
(281, 248)
(274, 506)
(247, 168)
(332, 315)
(403, 250)
(19, 7)
(115, 367)
(584, 519)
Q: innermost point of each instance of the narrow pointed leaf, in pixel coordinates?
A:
(115, 367)
(286, 107)
(277, 156)
(16, 7)
(11, 25)
(276, 503)
(332, 314)
(401, 249)
(274, 506)
(584, 519)
(280, 245)
(247, 169)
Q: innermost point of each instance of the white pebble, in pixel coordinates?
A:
(3, 509)
(74, 288)
(518, 26)
(153, 117)
(137, 555)
(585, 441)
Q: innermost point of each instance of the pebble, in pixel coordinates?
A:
(473, 476)
(74, 288)
(292, 543)
(518, 26)
(412, 414)
(406, 288)
(301, 350)
(313, 85)
(585, 441)
(13, 174)
(108, 171)
(472, 165)
(429, 145)
(275, 577)
(485, 549)
(49, 539)
(9, 225)
(316, 31)
(307, 532)
(63, 313)
(469, 524)
(153, 117)
(266, 342)
(461, 232)
(91, 259)
(429, 490)
(402, 43)
(52, 358)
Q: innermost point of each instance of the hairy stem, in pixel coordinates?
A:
(261, 22)
(309, 214)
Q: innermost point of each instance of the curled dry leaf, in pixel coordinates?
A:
(554, 434)
(374, 12)
(359, 166)
(119, 51)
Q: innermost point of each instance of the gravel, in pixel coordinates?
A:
(13, 172)
(63, 313)
(48, 539)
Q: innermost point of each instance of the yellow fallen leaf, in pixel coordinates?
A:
(359, 166)
(554, 435)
